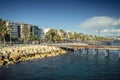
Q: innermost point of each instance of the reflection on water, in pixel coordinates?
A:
(71, 66)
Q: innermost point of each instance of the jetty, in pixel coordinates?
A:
(84, 45)
(94, 47)
(84, 48)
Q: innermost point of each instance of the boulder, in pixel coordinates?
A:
(14, 56)
(37, 56)
(42, 55)
(1, 56)
(10, 62)
(6, 60)
(49, 55)
(53, 54)
(2, 62)
(22, 59)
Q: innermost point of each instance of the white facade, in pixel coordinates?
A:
(14, 31)
(46, 30)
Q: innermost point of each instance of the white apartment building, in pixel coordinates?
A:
(46, 30)
(15, 29)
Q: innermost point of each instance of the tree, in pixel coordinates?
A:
(62, 34)
(32, 38)
(3, 30)
(9, 29)
(56, 37)
(70, 35)
(52, 35)
(76, 36)
(25, 32)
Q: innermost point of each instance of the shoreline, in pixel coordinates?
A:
(16, 54)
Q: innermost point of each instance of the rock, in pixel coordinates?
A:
(1, 57)
(56, 53)
(6, 60)
(27, 58)
(22, 59)
(22, 53)
(53, 54)
(37, 56)
(36, 51)
(6, 55)
(42, 55)
(10, 62)
(30, 51)
(4, 51)
(2, 62)
(14, 56)
(49, 55)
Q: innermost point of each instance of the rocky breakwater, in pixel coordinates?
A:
(11, 55)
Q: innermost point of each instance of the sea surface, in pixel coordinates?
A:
(70, 66)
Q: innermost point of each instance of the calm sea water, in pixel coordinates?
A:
(71, 66)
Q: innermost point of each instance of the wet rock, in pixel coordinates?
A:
(2, 62)
(56, 53)
(10, 62)
(22, 59)
(49, 55)
(7, 61)
(53, 54)
(42, 55)
(37, 56)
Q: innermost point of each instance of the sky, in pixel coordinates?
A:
(83, 16)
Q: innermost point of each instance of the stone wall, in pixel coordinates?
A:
(11, 55)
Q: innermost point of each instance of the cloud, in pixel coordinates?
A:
(101, 22)
(108, 31)
(104, 30)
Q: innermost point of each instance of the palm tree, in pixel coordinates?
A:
(62, 34)
(25, 32)
(1, 24)
(9, 29)
(52, 35)
(3, 29)
(70, 35)
(56, 36)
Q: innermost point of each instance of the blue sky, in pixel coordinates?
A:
(70, 15)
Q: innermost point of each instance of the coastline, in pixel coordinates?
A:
(11, 55)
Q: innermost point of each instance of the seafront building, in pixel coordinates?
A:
(46, 30)
(25, 30)
(15, 32)
(21, 30)
(36, 31)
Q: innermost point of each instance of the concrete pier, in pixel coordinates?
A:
(87, 50)
(80, 50)
(106, 53)
(119, 54)
(95, 51)
(83, 50)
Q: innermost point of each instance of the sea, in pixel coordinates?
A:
(70, 66)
